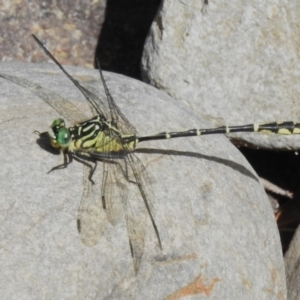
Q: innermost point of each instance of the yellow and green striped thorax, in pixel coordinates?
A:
(95, 134)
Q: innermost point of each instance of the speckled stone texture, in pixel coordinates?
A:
(218, 232)
(233, 63)
(69, 28)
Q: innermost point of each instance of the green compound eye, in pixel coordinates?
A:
(58, 123)
(63, 137)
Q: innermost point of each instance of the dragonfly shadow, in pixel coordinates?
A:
(44, 142)
(229, 163)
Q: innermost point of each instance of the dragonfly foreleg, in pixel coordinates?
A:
(67, 160)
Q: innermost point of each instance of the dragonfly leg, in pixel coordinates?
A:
(92, 168)
(104, 180)
(124, 170)
(67, 160)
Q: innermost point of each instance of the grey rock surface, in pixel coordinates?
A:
(292, 267)
(233, 63)
(218, 232)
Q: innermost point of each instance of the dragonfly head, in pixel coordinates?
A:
(60, 135)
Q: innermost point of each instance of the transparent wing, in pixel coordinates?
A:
(109, 202)
(135, 216)
(125, 191)
(113, 191)
(102, 202)
(143, 182)
(96, 102)
(135, 212)
(63, 107)
(91, 218)
(117, 117)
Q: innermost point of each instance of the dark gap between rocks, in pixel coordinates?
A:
(281, 168)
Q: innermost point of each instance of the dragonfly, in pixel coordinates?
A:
(109, 138)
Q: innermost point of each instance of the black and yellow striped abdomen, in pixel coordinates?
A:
(284, 128)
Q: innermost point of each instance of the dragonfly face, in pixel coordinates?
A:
(60, 136)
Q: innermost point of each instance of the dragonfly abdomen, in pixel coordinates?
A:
(284, 128)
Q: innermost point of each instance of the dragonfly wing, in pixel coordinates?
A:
(120, 196)
(100, 202)
(97, 105)
(138, 207)
(117, 117)
(109, 202)
(91, 98)
(135, 216)
(91, 217)
(143, 182)
(112, 191)
(63, 107)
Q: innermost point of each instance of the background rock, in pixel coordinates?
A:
(114, 31)
(292, 258)
(232, 63)
(70, 29)
(217, 227)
